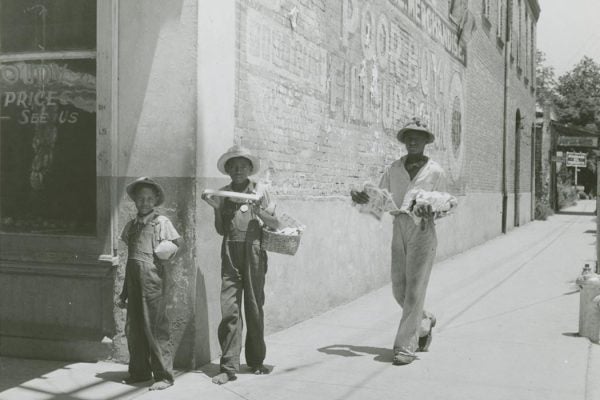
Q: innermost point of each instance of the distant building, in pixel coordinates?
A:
(96, 93)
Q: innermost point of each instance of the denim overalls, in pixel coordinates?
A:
(147, 326)
(243, 269)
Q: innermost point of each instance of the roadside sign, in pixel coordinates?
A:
(576, 159)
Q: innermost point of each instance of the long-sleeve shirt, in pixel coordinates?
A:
(396, 180)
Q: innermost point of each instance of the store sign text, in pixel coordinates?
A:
(34, 93)
(35, 106)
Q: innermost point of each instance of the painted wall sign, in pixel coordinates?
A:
(437, 27)
(277, 50)
(578, 141)
(345, 86)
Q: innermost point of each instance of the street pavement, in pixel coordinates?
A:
(507, 329)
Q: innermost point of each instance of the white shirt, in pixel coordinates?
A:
(396, 180)
(166, 230)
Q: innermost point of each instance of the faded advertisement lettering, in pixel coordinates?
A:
(379, 64)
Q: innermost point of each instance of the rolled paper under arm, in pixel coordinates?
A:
(234, 195)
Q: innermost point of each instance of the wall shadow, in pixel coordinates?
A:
(15, 371)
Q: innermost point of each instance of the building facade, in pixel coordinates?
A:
(316, 88)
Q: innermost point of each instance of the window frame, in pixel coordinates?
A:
(519, 32)
(532, 49)
(501, 20)
(71, 248)
(485, 9)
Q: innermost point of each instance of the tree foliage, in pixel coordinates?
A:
(578, 100)
(545, 80)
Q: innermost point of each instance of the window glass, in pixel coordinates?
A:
(48, 116)
(47, 25)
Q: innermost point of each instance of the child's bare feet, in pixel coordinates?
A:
(161, 385)
(133, 379)
(260, 370)
(224, 377)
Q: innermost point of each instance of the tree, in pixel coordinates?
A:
(578, 102)
(545, 80)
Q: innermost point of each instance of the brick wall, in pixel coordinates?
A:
(324, 86)
(485, 88)
(485, 80)
(321, 89)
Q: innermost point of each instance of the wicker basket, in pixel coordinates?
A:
(279, 243)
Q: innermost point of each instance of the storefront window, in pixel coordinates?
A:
(48, 116)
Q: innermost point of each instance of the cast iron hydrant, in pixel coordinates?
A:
(589, 304)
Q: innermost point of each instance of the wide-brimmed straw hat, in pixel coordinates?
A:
(238, 151)
(131, 189)
(415, 125)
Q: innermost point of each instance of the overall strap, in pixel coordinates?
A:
(156, 226)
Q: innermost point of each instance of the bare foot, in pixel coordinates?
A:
(224, 377)
(260, 370)
(131, 380)
(160, 385)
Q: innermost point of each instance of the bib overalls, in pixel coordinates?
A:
(243, 269)
(147, 327)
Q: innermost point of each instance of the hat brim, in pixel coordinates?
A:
(402, 132)
(145, 181)
(228, 156)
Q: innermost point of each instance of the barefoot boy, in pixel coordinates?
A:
(147, 326)
(243, 263)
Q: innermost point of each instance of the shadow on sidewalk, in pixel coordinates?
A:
(348, 350)
(571, 334)
(113, 376)
(41, 379)
(15, 371)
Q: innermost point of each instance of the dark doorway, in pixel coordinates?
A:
(518, 129)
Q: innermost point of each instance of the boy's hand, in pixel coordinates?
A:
(423, 211)
(257, 208)
(122, 303)
(359, 197)
(211, 201)
(174, 253)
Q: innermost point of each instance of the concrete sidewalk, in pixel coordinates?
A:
(507, 321)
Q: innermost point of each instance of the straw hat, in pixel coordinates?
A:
(238, 151)
(131, 188)
(416, 126)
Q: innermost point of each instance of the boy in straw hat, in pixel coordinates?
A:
(147, 326)
(413, 245)
(243, 263)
